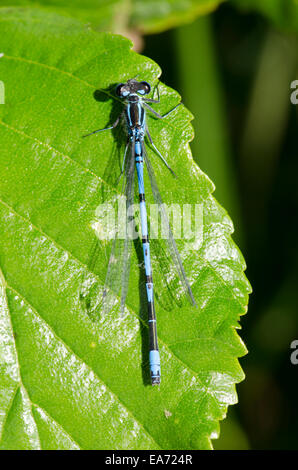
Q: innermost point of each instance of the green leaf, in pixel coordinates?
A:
(122, 16)
(68, 379)
(284, 13)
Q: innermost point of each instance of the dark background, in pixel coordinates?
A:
(234, 71)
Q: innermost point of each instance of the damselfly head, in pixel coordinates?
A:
(132, 86)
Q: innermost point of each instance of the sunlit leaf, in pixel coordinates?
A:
(70, 379)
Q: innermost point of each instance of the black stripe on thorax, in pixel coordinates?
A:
(135, 114)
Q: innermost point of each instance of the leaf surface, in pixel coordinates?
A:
(70, 379)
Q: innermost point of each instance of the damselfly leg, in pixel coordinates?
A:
(115, 124)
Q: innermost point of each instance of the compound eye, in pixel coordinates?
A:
(145, 88)
(120, 90)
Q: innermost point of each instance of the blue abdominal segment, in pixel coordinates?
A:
(154, 359)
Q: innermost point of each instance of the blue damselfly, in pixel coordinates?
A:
(136, 105)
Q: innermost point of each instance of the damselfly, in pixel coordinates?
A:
(136, 105)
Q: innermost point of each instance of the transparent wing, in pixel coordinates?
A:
(117, 278)
(96, 301)
(170, 241)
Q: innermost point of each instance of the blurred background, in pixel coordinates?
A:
(233, 63)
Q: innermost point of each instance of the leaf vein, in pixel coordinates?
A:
(49, 147)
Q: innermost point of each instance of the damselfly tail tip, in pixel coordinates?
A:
(155, 380)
